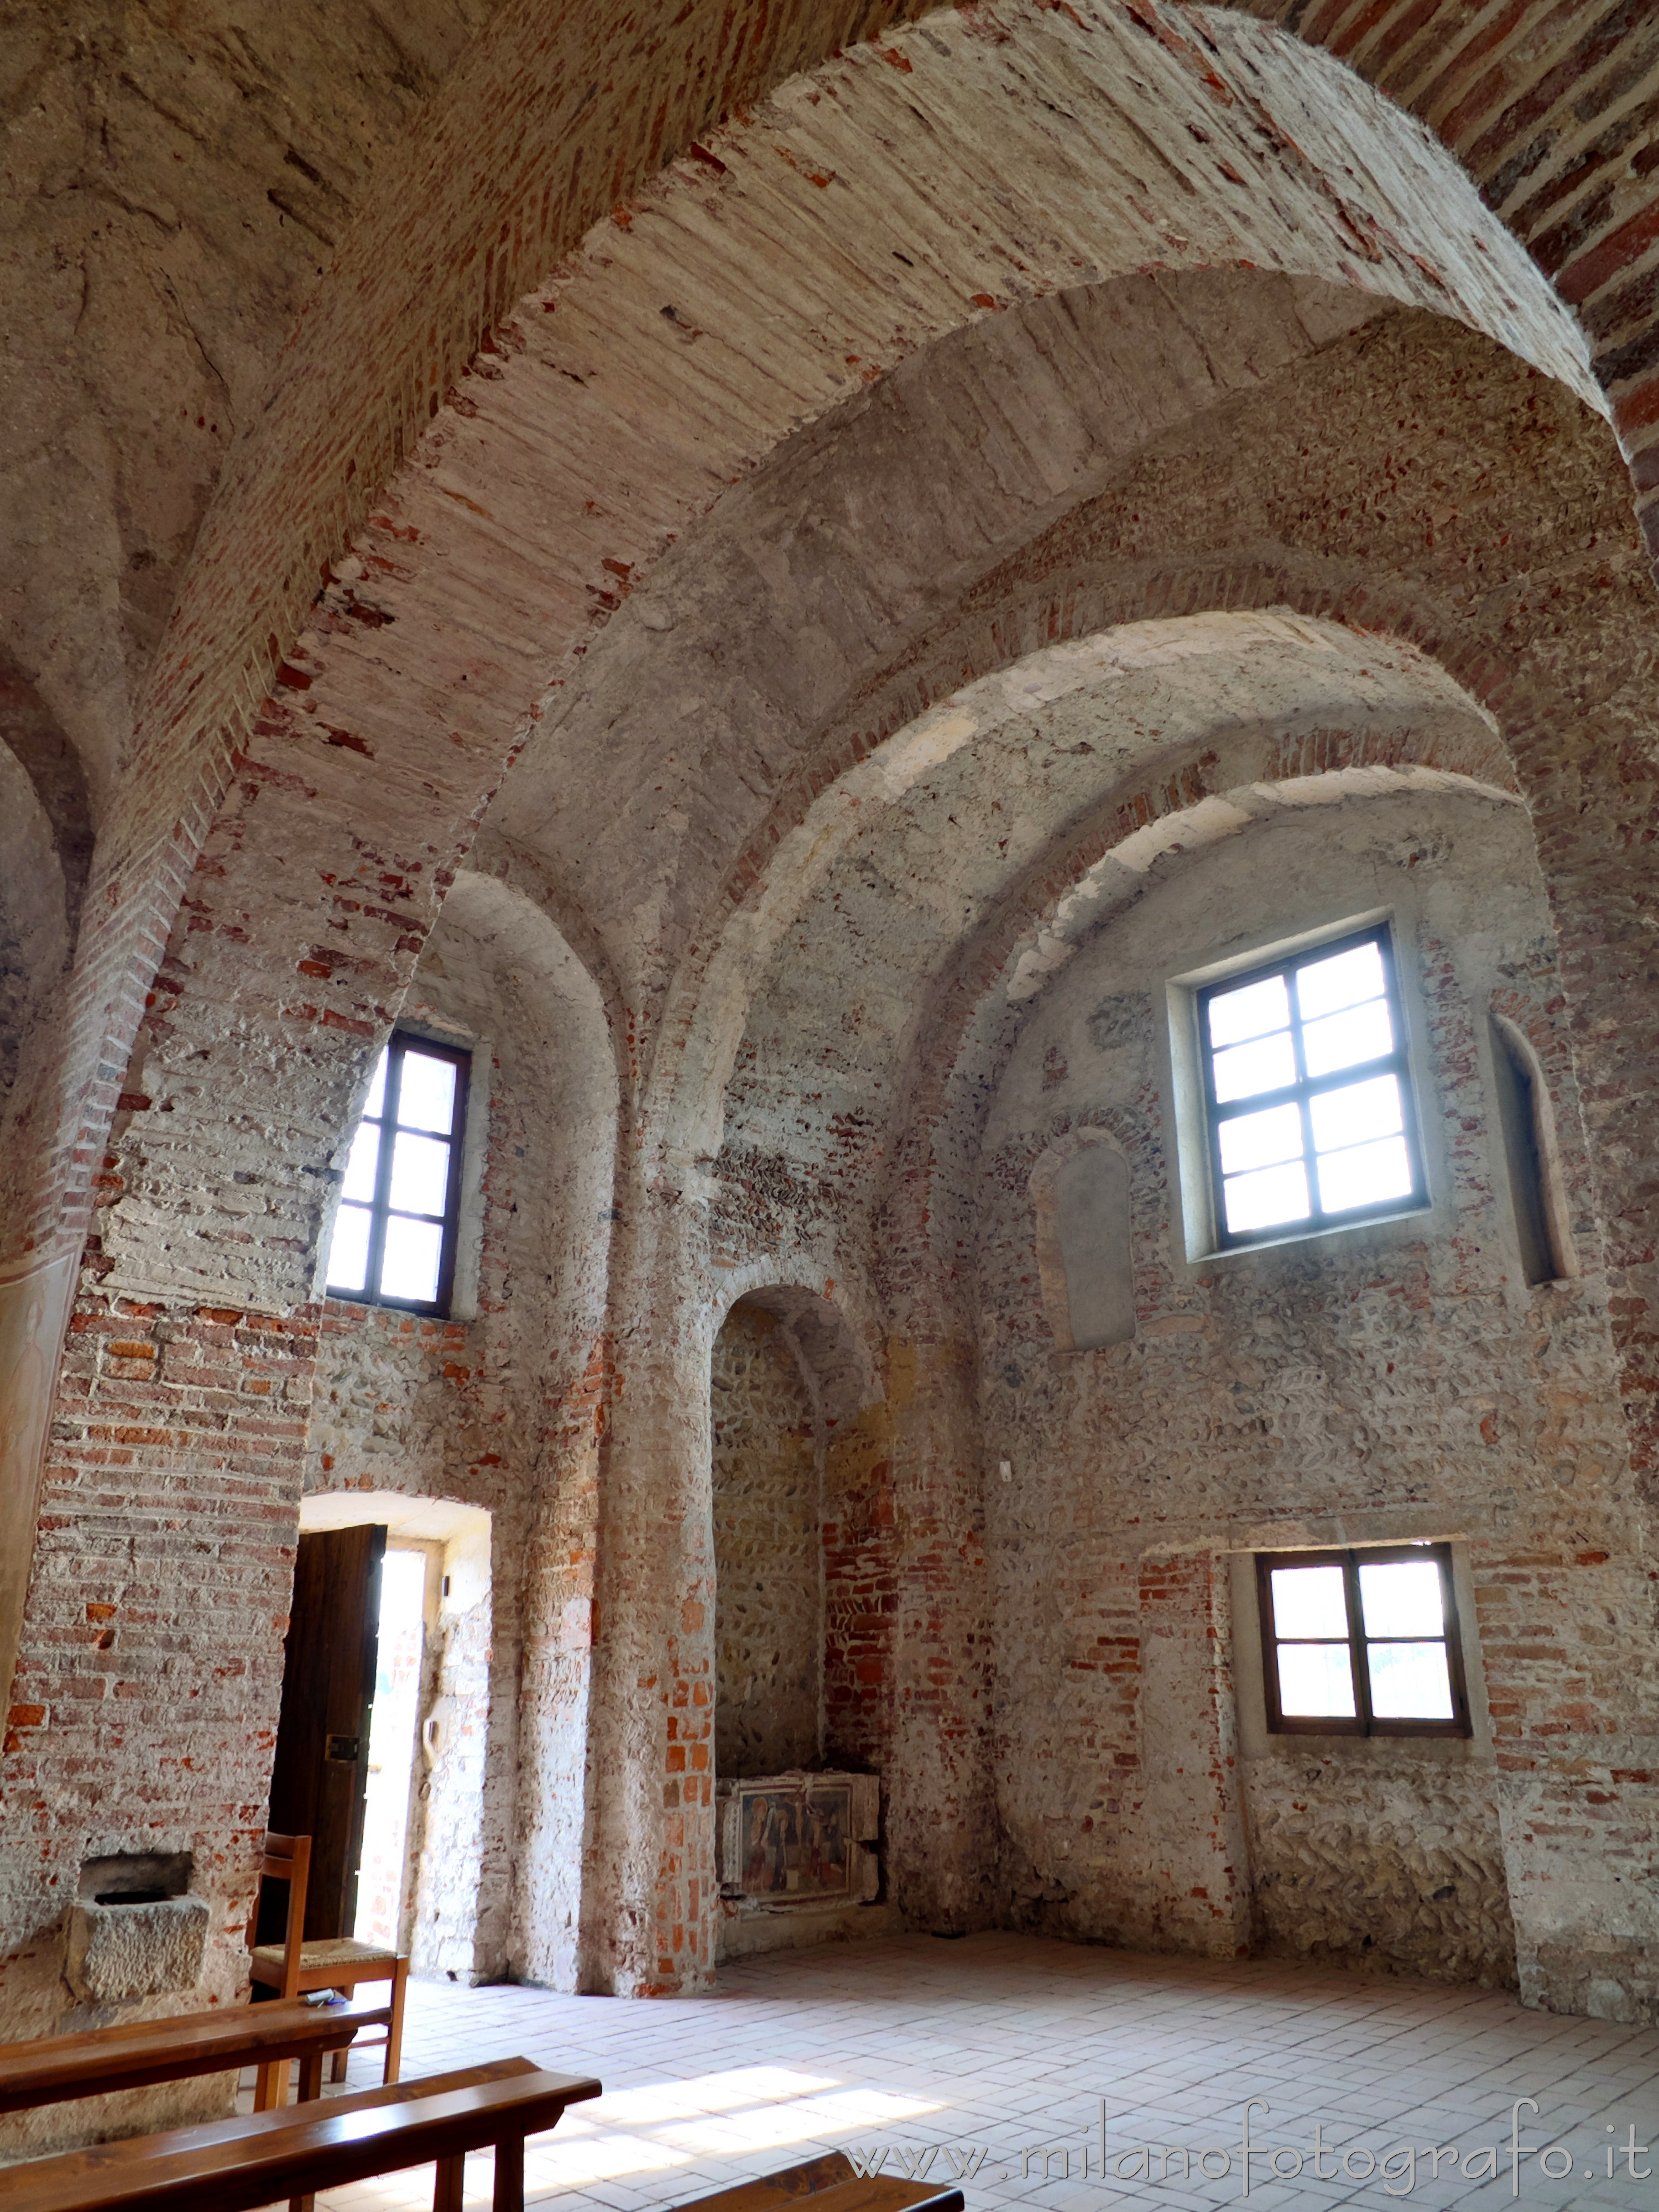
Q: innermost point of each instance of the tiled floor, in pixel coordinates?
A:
(1007, 2054)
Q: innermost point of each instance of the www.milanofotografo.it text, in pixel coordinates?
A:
(1251, 2158)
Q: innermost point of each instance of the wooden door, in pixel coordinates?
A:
(321, 1778)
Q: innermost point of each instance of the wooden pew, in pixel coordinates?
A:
(142, 2052)
(239, 2165)
(827, 2184)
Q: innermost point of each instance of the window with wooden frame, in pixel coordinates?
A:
(394, 1235)
(1308, 1095)
(1362, 1643)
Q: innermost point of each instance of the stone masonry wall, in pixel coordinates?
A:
(1370, 1385)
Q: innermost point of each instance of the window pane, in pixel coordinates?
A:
(1345, 1040)
(1315, 1681)
(1257, 1140)
(413, 1249)
(375, 1102)
(427, 1097)
(361, 1163)
(1401, 1597)
(1366, 1175)
(1262, 1200)
(420, 1174)
(1355, 1113)
(1342, 980)
(348, 1255)
(1409, 1682)
(1250, 1011)
(1269, 1064)
(1309, 1601)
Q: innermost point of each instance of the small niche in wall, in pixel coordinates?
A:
(1526, 1119)
(1080, 1189)
(135, 1878)
(135, 1931)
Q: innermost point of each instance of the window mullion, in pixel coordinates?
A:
(389, 1103)
(1315, 1209)
(1357, 1656)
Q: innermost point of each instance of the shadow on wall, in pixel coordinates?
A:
(436, 1910)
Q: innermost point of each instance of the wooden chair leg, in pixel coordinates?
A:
(450, 2185)
(337, 2067)
(301, 2204)
(270, 2085)
(509, 2175)
(394, 2034)
(311, 2076)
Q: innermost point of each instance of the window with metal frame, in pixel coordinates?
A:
(1362, 1643)
(1308, 1094)
(394, 1235)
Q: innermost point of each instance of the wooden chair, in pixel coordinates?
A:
(294, 1966)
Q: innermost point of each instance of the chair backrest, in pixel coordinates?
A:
(285, 1858)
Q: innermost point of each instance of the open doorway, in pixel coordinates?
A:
(390, 1782)
(392, 1619)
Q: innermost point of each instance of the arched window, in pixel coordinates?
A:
(1527, 1121)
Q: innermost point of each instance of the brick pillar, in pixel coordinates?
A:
(145, 1704)
(943, 1830)
(555, 1693)
(650, 1893)
(1192, 1836)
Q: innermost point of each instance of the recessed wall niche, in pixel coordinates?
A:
(1080, 1191)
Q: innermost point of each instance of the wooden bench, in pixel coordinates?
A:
(142, 2052)
(236, 2165)
(827, 2184)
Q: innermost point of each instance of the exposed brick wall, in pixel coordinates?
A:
(142, 1714)
(1412, 480)
(1555, 113)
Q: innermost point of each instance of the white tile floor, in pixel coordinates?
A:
(1003, 2052)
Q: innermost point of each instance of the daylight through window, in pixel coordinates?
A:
(1362, 1643)
(1308, 1092)
(394, 1236)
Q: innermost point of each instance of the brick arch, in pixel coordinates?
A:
(1555, 118)
(483, 574)
(374, 739)
(970, 1009)
(831, 1346)
(1525, 116)
(1233, 696)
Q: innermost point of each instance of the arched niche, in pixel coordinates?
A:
(1080, 1195)
(1532, 1155)
(768, 1607)
(801, 1441)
